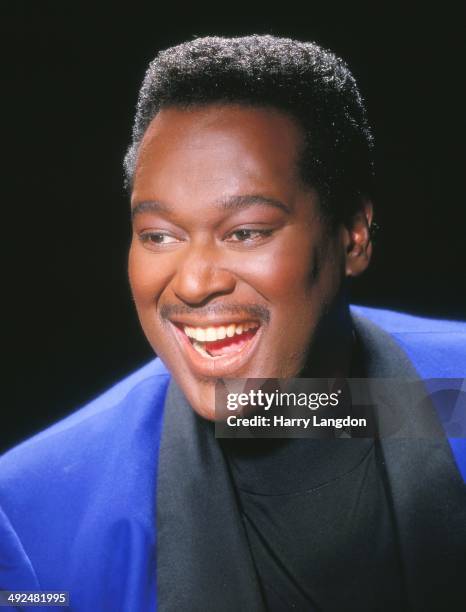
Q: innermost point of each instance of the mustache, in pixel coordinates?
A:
(255, 311)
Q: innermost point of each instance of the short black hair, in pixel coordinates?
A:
(309, 83)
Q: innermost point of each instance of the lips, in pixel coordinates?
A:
(218, 350)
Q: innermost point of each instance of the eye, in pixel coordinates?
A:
(248, 235)
(156, 240)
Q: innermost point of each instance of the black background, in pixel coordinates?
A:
(72, 74)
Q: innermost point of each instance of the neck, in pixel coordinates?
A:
(331, 352)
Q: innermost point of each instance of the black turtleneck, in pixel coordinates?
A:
(318, 520)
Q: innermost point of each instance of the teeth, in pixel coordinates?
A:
(189, 331)
(200, 349)
(211, 334)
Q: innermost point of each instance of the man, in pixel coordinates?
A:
(251, 200)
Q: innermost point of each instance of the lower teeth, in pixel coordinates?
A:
(200, 349)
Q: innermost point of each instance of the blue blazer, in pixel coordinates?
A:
(78, 501)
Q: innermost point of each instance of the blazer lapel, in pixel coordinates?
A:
(204, 563)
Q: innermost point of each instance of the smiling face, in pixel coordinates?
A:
(232, 267)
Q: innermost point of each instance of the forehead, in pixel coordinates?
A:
(224, 148)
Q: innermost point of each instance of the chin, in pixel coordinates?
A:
(200, 396)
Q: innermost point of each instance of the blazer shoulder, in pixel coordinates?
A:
(395, 322)
(85, 485)
(437, 350)
(119, 410)
(436, 347)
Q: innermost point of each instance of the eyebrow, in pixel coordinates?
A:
(245, 201)
(230, 203)
(149, 206)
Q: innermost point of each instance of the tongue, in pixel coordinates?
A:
(229, 345)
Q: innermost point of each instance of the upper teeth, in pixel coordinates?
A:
(210, 334)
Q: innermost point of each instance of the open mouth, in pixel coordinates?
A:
(222, 340)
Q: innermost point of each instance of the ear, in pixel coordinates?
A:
(357, 237)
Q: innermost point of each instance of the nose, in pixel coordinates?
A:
(201, 277)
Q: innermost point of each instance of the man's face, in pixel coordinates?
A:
(231, 265)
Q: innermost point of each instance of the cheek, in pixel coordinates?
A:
(285, 274)
(148, 275)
